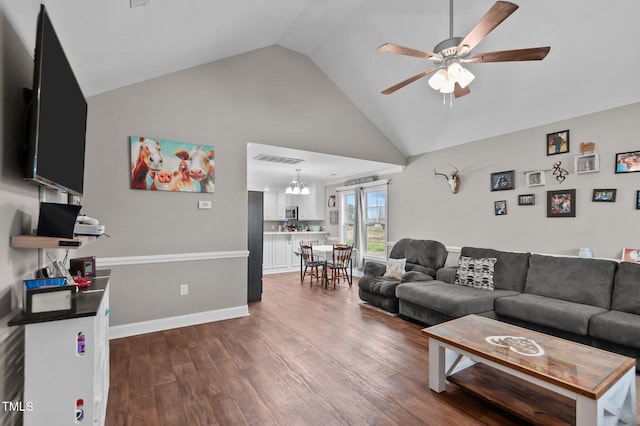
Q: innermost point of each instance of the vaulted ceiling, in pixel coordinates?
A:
(592, 66)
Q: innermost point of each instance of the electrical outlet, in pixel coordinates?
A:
(184, 289)
(204, 204)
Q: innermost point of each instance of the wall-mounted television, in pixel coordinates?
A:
(56, 115)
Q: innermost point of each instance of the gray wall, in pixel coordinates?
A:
(18, 210)
(421, 205)
(273, 96)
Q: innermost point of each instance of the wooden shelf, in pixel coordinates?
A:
(35, 241)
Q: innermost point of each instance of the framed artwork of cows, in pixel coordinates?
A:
(163, 165)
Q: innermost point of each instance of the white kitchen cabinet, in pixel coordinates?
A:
(276, 251)
(269, 205)
(275, 203)
(66, 361)
(281, 251)
(310, 207)
(267, 252)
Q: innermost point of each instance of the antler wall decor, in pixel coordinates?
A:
(453, 179)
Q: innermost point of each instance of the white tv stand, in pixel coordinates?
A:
(66, 361)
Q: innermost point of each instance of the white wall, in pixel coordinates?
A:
(421, 205)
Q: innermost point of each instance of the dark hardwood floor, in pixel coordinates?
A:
(305, 356)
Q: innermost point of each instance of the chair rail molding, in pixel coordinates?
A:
(103, 262)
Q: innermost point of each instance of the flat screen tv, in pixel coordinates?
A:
(56, 115)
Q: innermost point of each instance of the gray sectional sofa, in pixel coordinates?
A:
(591, 301)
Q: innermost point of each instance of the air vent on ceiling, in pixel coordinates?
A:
(139, 3)
(276, 159)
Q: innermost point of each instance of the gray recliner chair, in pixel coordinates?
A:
(424, 258)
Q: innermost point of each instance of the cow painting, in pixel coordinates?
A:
(164, 165)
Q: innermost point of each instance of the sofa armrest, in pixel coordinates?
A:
(413, 276)
(374, 269)
(447, 275)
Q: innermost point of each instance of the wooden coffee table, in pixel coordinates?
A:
(511, 365)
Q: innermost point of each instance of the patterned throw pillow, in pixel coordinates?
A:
(395, 268)
(476, 273)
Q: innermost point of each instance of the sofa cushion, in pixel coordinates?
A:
(556, 313)
(384, 286)
(626, 290)
(395, 268)
(447, 274)
(584, 281)
(510, 270)
(476, 273)
(415, 276)
(453, 300)
(618, 327)
(373, 268)
(426, 256)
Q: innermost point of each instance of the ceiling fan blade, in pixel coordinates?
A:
(460, 91)
(401, 50)
(407, 81)
(531, 54)
(500, 11)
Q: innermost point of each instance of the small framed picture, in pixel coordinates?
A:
(558, 142)
(628, 162)
(500, 207)
(526, 199)
(534, 178)
(587, 163)
(502, 181)
(637, 200)
(331, 201)
(604, 195)
(631, 255)
(333, 217)
(561, 203)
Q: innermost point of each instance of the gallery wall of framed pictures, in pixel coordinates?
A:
(561, 203)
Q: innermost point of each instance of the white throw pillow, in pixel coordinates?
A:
(395, 268)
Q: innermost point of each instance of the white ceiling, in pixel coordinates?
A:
(315, 168)
(111, 45)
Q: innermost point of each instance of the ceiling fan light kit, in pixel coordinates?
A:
(449, 76)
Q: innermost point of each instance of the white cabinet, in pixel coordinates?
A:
(275, 203)
(276, 251)
(281, 250)
(269, 206)
(267, 252)
(310, 207)
(66, 363)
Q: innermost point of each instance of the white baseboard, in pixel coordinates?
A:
(133, 329)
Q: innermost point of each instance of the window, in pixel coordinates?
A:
(348, 215)
(375, 208)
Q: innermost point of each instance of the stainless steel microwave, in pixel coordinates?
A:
(291, 213)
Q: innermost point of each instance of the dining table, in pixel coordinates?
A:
(324, 252)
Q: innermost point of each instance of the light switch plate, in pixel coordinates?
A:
(202, 204)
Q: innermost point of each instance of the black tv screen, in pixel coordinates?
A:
(57, 116)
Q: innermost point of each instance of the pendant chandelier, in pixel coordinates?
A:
(296, 187)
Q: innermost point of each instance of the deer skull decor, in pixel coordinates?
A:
(453, 179)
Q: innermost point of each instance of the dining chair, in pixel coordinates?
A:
(311, 264)
(336, 268)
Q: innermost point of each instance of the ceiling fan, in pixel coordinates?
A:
(449, 76)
